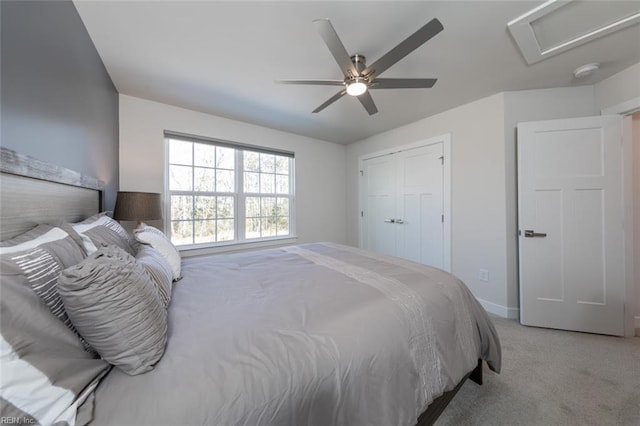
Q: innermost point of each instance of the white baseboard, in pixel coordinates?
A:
(501, 311)
(637, 326)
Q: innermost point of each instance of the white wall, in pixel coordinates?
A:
(478, 239)
(484, 181)
(320, 165)
(636, 214)
(619, 88)
(622, 91)
(533, 105)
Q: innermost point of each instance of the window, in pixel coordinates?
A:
(221, 193)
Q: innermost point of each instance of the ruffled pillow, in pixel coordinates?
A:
(114, 304)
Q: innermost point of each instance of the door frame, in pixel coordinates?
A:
(632, 310)
(445, 140)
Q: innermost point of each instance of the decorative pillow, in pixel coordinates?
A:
(160, 271)
(36, 258)
(99, 230)
(46, 372)
(112, 301)
(149, 235)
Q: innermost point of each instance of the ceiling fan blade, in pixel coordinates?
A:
(331, 39)
(313, 82)
(411, 43)
(330, 100)
(403, 83)
(367, 102)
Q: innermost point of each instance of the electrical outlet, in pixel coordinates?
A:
(483, 275)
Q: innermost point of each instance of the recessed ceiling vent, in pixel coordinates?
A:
(557, 26)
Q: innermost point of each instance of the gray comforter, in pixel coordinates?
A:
(317, 334)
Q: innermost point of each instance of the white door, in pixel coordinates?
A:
(380, 205)
(419, 206)
(403, 207)
(570, 214)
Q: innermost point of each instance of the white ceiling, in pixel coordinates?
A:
(223, 57)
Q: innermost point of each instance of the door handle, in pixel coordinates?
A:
(528, 233)
(390, 221)
(400, 221)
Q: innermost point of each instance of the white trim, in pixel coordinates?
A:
(236, 247)
(446, 150)
(525, 36)
(499, 310)
(628, 224)
(637, 322)
(624, 108)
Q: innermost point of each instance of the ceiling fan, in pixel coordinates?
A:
(360, 78)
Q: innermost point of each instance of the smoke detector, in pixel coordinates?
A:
(586, 70)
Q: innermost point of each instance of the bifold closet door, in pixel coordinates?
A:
(403, 207)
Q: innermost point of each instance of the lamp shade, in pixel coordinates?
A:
(138, 206)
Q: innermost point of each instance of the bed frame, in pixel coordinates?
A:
(438, 405)
(34, 192)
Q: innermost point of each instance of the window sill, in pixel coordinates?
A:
(202, 250)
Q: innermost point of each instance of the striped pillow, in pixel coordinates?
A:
(145, 234)
(160, 271)
(100, 230)
(35, 259)
(47, 375)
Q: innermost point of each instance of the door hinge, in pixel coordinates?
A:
(442, 218)
(441, 159)
(361, 172)
(361, 213)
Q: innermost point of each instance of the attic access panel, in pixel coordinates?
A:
(557, 26)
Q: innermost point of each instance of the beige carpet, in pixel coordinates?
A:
(552, 377)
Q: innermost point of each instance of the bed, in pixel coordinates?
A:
(312, 334)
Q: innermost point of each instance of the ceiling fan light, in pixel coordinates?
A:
(356, 88)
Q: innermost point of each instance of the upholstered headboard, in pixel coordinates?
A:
(34, 192)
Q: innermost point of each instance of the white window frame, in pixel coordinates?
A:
(240, 242)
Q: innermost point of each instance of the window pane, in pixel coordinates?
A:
(252, 228)
(180, 152)
(269, 227)
(225, 158)
(283, 207)
(267, 163)
(225, 207)
(268, 206)
(282, 184)
(251, 182)
(252, 207)
(204, 155)
(181, 233)
(224, 181)
(282, 165)
(204, 179)
(267, 183)
(283, 226)
(225, 230)
(205, 207)
(180, 178)
(251, 161)
(181, 207)
(204, 187)
(205, 231)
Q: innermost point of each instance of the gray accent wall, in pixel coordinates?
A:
(58, 102)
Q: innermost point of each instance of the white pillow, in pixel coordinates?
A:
(154, 237)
